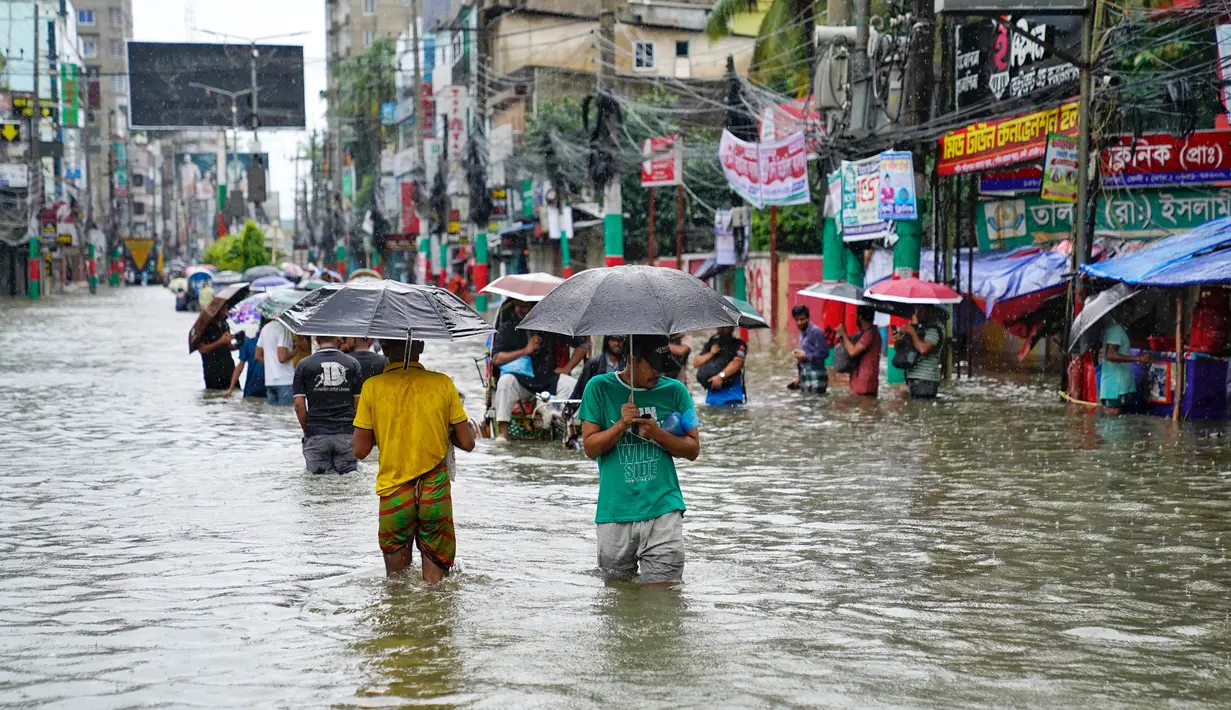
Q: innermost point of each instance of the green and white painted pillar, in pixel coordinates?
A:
(480, 268)
(33, 285)
(425, 252)
(92, 270)
(115, 268)
(833, 270)
(566, 257)
(905, 256)
(340, 256)
(444, 260)
(613, 224)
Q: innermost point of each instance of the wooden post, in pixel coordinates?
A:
(1179, 355)
(679, 227)
(651, 251)
(773, 266)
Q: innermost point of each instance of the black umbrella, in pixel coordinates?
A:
(383, 309)
(255, 272)
(1096, 309)
(633, 300)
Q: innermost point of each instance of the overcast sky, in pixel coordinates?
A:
(166, 21)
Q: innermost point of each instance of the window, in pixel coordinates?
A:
(138, 207)
(369, 7)
(115, 49)
(369, 36)
(643, 56)
(85, 17)
(138, 181)
(119, 84)
(681, 49)
(89, 47)
(115, 16)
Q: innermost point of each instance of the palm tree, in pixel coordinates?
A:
(785, 48)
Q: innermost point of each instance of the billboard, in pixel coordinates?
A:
(1003, 7)
(161, 75)
(197, 174)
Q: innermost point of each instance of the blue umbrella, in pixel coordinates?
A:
(268, 282)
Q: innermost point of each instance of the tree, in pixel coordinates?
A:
(784, 50)
(238, 252)
(366, 82)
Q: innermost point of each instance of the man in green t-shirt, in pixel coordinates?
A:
(636, 441)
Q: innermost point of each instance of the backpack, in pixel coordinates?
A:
(843, 362)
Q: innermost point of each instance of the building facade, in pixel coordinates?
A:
(105, 26)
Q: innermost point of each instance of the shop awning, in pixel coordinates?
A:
(1199, 256)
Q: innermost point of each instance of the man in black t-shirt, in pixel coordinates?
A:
(216, 362)
(326, 387)
(371, 364)
(513, 384)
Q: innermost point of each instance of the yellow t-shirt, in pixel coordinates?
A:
(409, 412)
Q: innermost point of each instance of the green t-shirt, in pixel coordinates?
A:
(1116, 378)
(927, 367)
(636, 478)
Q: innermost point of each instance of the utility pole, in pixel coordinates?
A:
(1081, 243)
(480, 133)
(35, 183)
(417, 87)
(613, 199)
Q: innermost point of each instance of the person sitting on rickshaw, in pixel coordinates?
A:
(526, 362)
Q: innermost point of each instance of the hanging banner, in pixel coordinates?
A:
(410, 221)
(994, 144)
(784, 171)
(833, 200)
(897, 186)
(994, 63)
(664, 163)
(860, 201)
(724, 239)
(1028, 178)
(769, 173)
(1159, 159)
(741, 167)
(1060, 170)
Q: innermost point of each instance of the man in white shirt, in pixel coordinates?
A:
(275, 350)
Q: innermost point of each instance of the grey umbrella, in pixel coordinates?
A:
(1097, 308)
(383, 309)
(255, 272)
(630, 300)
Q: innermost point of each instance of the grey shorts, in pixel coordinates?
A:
(329, 452)
(656, 544)
(923, 389)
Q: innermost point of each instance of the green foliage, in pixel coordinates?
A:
(224, 253)
(366, 82)
(783, 51)
(798, 230)
(238, 252)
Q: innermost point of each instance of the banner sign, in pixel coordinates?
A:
(1008, 224)
(1158, 159)
(1028, 178)
(790, 117)
(499, 197)
(896, 198)
(992, 63)
(1060, 170)
(410, 221)
(769, 173)
(724, 239)
(994, 144)
(663, 164)
(860, 193)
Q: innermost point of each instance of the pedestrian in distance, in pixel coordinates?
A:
(924, 335)
(413, 415)
(538, 372)
(811, 354)
(216, 362)
(326, 388)
(720, 368)
(635, 423)
(276, 350)
(680, 350)
(254, 384)
(864, 350)
(1117, 386)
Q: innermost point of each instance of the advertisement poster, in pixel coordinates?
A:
(770, 173)
(833, 201)
(1060, 169)
(861, 201)
(724, 239)
(897, 186)
(993, 144)
(1163, 160)
(664, 162)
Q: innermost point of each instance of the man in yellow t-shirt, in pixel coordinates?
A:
(413, 415)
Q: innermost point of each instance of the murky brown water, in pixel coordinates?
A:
(160, 547)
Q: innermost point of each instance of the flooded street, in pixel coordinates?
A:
(163, 547)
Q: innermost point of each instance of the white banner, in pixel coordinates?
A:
(764, 174)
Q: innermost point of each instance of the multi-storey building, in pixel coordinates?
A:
(105, 26)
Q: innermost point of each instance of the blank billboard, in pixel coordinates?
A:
(161, 75)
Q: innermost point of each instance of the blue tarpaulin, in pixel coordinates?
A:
(1003, 276)
(1199, 256)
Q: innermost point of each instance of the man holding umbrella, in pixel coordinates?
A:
(640, 507)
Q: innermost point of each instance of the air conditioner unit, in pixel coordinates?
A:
(834, 45)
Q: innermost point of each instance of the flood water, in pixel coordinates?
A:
(161, 547)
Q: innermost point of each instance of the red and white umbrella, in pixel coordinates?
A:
(912, 291)
(530, 288)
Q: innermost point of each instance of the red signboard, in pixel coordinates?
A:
(663, 164)
(410, 221)
(428, 105)
(1160, 159)
(994, 144)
